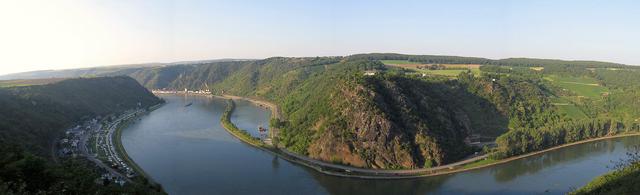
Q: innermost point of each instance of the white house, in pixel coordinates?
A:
(370, 72)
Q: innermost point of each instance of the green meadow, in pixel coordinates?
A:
(582, 86)
(566, 107)
(412, 66)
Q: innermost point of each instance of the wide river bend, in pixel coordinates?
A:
(186, 150)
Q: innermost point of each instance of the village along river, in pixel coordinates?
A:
(185, 149)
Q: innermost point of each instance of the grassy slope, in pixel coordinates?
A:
(568, 108)
(582, 86)
(579, 88)
(449, 73)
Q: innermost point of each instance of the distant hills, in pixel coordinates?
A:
(128, 69)
(100, 71)
(438, 59)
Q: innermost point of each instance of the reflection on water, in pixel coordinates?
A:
(247, 116)
(564, 155)
(555, 172)
(187, 151)
(275, 163)
(338, 185)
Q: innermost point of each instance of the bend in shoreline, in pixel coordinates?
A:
(120, 147)
(363, 173)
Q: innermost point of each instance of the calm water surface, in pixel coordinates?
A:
(187, 151)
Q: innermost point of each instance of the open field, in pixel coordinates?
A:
(582, 86)
(17, 83)
(415, 66)
(409, 64)
(566, 107)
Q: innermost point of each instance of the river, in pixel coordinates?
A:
(187, 151)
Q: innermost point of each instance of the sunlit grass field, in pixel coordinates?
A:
(582, 86)
(450, 73)
(566, 107)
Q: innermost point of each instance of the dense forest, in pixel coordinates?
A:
(32, 117)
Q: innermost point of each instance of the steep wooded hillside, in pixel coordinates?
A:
(31, 116)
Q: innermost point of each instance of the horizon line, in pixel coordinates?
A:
(195, 61)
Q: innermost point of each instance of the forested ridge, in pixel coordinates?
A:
(315, 93)
(437, 59)
(32, 117)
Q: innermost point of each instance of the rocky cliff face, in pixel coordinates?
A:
(390, 123)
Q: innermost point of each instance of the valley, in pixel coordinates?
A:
(319, 97)
(391, 116)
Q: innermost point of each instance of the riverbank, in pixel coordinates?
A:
(474, 163)
(226, 123)
(556, 148)
(117, 139)
(275, 111)
(275, 114)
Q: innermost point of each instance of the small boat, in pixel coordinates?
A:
(189, 104)
(262, 129)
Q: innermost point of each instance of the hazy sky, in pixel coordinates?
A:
(61, 34)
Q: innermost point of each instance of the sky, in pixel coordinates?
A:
(62, 34)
